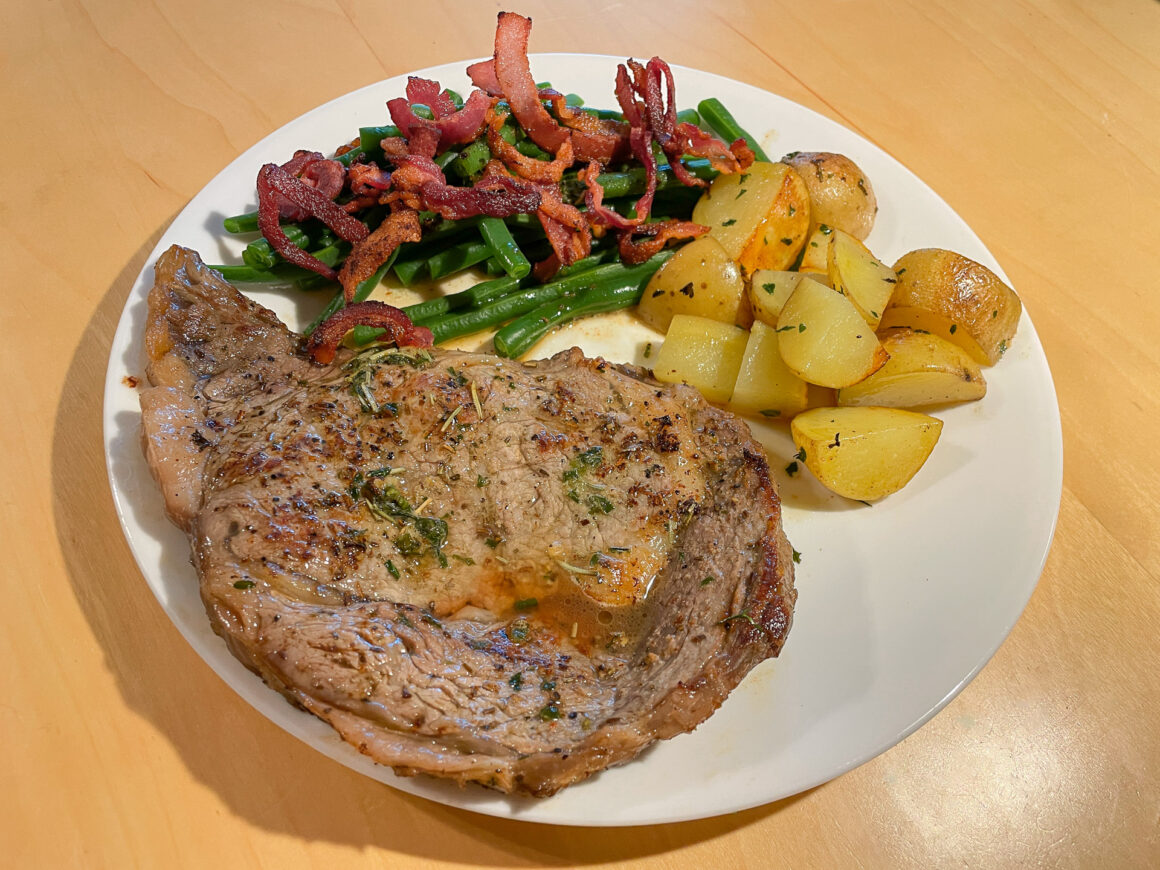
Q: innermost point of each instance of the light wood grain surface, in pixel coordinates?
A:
(1037, 120)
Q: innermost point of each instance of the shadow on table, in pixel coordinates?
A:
(264, 775)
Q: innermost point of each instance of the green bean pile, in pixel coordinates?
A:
(510, 301)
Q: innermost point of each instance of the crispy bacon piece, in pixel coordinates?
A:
(365, 257)
(657, 235)
(274, 180)
(593, 138)
(598, 213)
(540, 171)
(482, 75)
(451, 126)
(428, 92)
(314, 170)
(514, 76)
(324, 341)
(564, 225)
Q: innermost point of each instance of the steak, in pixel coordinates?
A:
(514, 574)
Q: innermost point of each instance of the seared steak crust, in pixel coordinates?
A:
(504, 573)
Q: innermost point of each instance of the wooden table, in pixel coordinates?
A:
(1037, 121)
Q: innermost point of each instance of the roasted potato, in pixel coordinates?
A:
(702, 353)
(864, 453)
(815, 254)
(823, 338)
(922, 370)
(699, 279)
(840, 194)
(768, 290)
(955, 298)
(858, 274)
(761, 216)
(765, 386)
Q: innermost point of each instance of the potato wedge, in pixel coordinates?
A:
(970, 305)
(761, 216)
(768, 290)
(699, 279)
(857, 273)
(703, 353)
(815, 254)
(765, 386)
(922, 370)
(840, 193)
(864, 453)
(824, 339)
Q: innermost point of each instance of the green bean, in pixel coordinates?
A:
(503, 247)
(508, 307)
(241, 223)
(633, 182)
(457, 258)
(471, 160)
(472, 297)
(261, 255)
(371, 137)
(408, 270)
(611, 294)
(493, 314)
(724, 125)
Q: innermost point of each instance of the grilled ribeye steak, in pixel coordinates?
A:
(504, 573)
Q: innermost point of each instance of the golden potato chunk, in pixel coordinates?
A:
(922, 370)
(840, 193)
(699, 279)
(823, 338)
(967, 303)
(765, 385)
(815, 254)
(858, 274)
(703, 353)
(768, 291)
(761, 216)
(864, 453)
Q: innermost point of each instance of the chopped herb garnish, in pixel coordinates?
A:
(481, 481)
(392, 570)
(792, 468)
(619, 549)
(520, 631)
(954, 328)
(744, 614)
(729, 222)
(797, 557)
(707, 581)
(526, 604)
(824, 230)
(787, 241)
(550, 711)
(648, 350)
(770, 412)
(466, 560)
(244, 584)
(800, 456)
(548, 685)
(457, 377)
(1002, 346)
(516, 680)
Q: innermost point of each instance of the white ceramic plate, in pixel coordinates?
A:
(900, 604)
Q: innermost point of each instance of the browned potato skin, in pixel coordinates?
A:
(964, 293)
(840, 193)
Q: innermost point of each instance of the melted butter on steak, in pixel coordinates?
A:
(513, 574)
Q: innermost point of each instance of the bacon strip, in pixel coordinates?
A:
(541, 171)
(564, 225)
(314, 170)
(428, 92)
(365, 257)
(274, 180)
(657, 236)
(514, 76)
(593, 138)
(495, 199)
(482, 75)
(324, 341)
